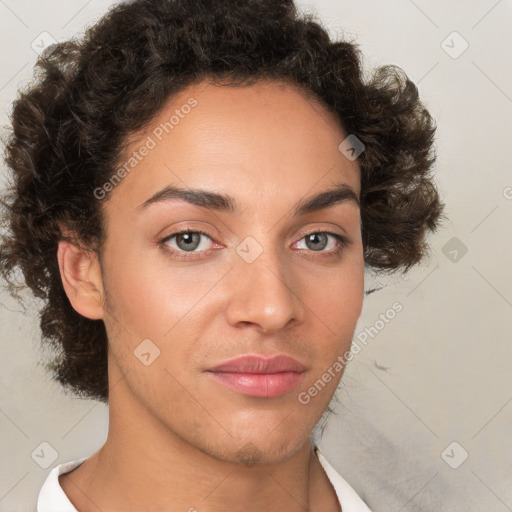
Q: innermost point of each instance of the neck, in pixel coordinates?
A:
(145, 466)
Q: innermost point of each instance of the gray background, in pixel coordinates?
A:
(439, 371)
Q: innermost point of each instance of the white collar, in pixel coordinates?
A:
(52, 497)
(348, 498)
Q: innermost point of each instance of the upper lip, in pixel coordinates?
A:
(260, 364)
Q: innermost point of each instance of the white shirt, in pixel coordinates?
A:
(52, 498)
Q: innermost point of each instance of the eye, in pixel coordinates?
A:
(187, 241)
(318, 241)
(191, 242)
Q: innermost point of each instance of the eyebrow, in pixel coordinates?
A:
(341, 193)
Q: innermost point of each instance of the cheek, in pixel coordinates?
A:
(150, 297)
(335, 300)
(335, 305)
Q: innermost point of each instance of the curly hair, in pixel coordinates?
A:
(89, 94)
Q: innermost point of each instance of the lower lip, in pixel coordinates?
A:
(265, 385)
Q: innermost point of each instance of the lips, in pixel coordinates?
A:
(259, 376)
(259, 365)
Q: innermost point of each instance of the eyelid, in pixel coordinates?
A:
(328, 231)
(185, 229)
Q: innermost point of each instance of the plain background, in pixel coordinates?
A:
(433, 385)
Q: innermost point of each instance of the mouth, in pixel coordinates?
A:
(259, 376)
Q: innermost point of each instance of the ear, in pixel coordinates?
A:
(80, 273)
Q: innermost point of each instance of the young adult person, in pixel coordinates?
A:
(197, 190)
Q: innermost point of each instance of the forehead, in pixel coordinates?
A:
(267, 139)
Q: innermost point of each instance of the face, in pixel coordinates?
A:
(241, 263)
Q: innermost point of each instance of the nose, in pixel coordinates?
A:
(263, 293)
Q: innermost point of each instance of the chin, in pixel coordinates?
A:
(264, 450)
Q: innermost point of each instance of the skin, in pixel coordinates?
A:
(177, 439)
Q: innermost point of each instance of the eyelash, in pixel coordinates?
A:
(342, 240)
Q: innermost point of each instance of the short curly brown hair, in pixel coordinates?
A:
(71, 124)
